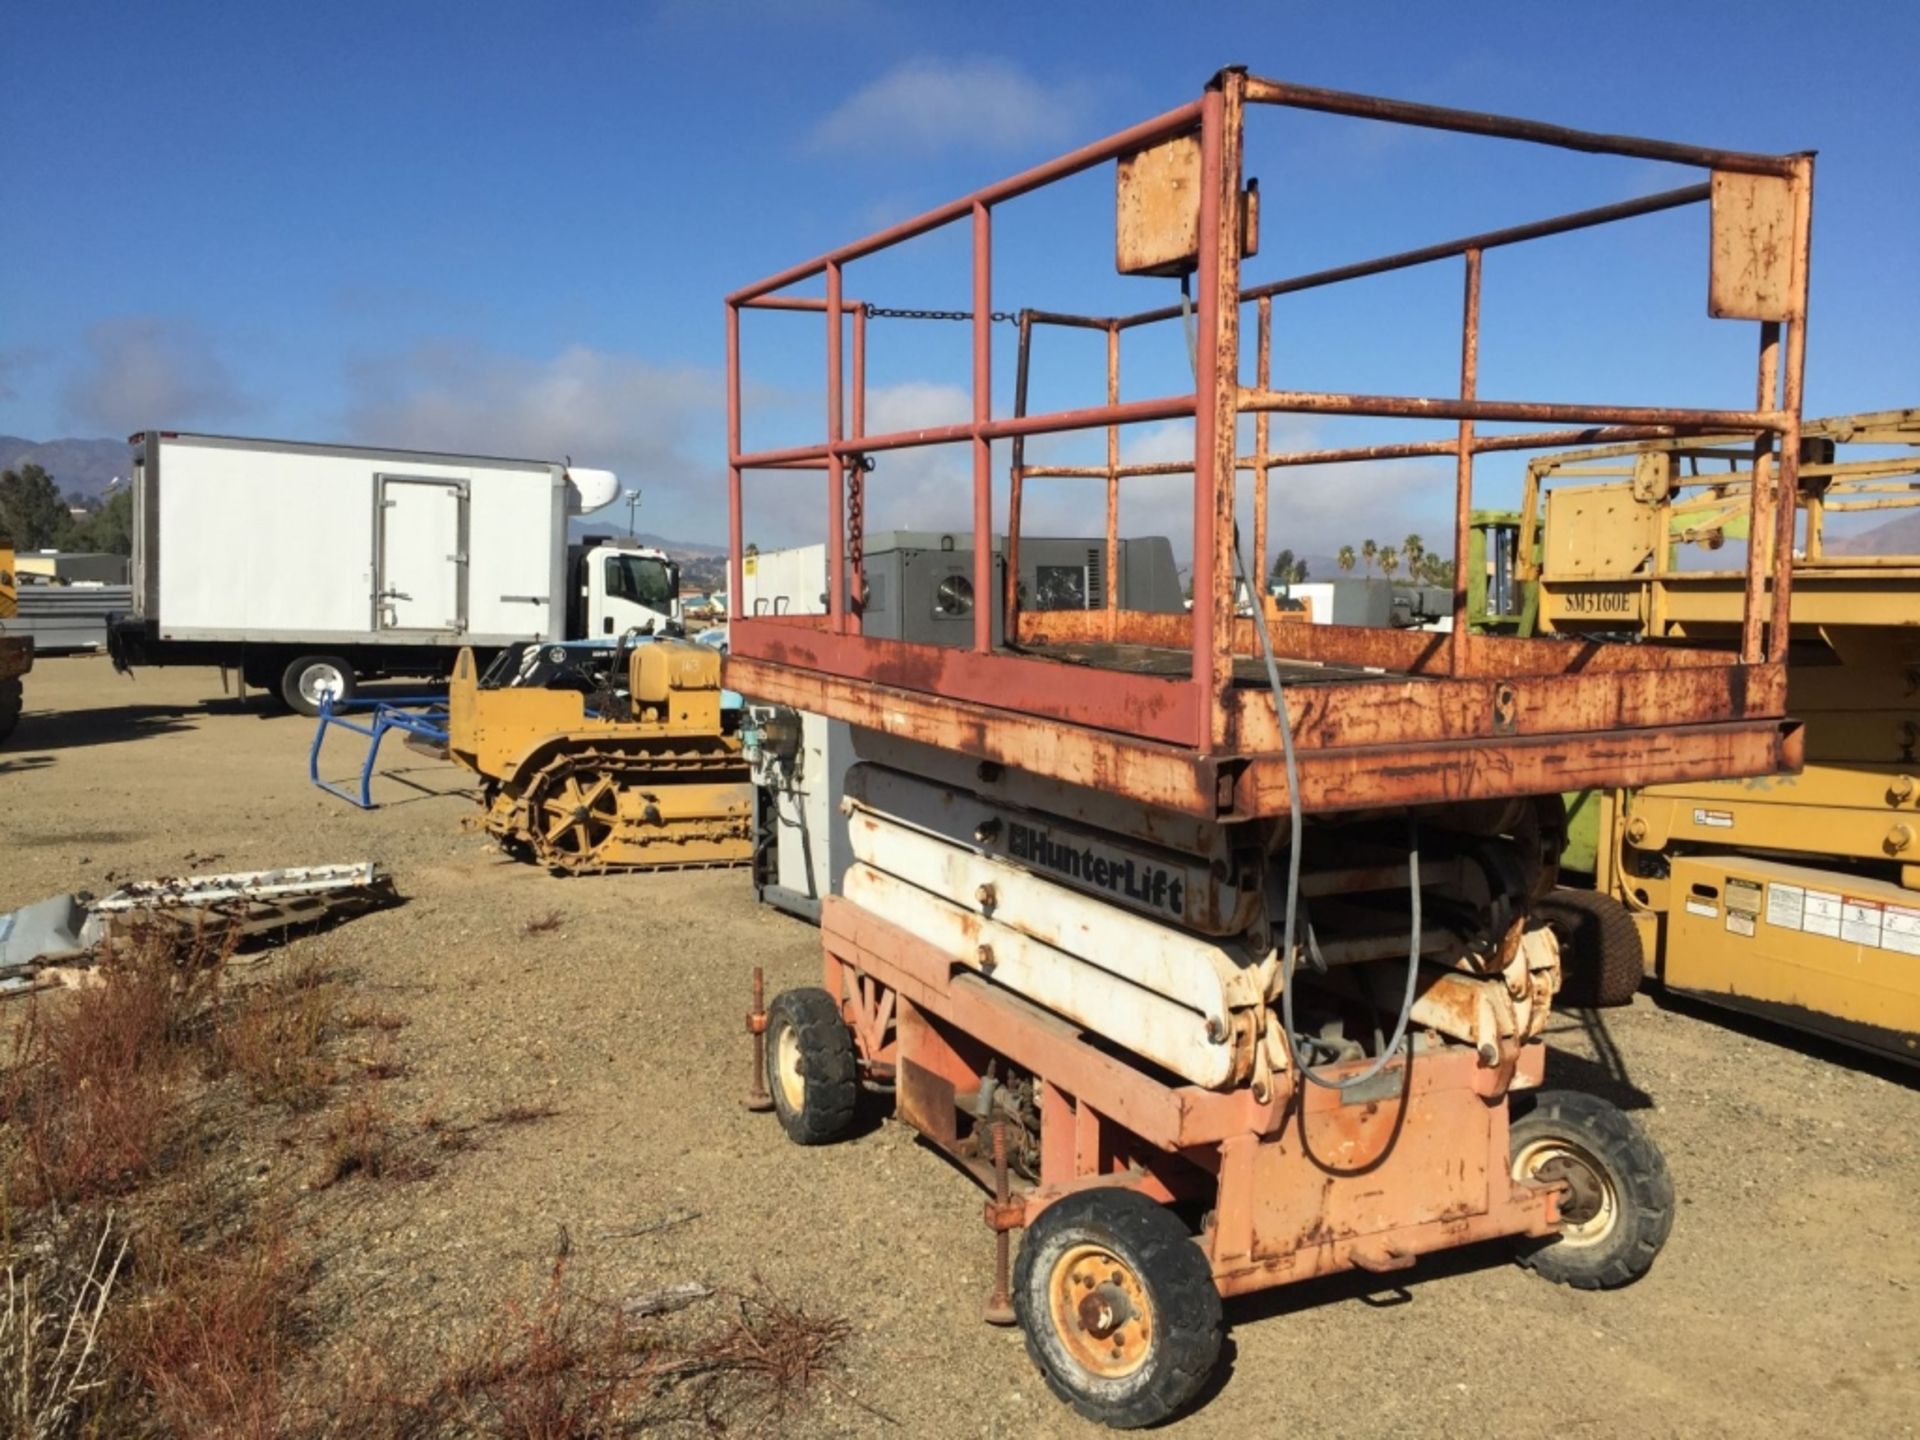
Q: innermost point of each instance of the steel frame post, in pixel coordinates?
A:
(735, 548)
(1016, 479)
(1790, 402)
(1463, 462)
(982, 414)
(836, 465)
(1262, 422)
(1113, 484)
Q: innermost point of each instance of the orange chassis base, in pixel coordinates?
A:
(1312, 1182)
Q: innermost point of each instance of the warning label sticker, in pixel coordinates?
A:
(1786, 905)
(1823, 913)
(1739, 924)
(1860, 922)
(1900, 930)
(1873, 923)
(1714, 819)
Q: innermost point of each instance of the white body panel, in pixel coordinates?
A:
(1210, 979)
(1148, 1024)
(265, 541)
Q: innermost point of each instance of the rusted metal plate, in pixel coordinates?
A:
(1412, 712)
(1168, 776)
(1156, 708)
(925, 1101)
(1390, 775)
(1750, 268)
(1360, 776)
(1157, 209)
(1411, 652)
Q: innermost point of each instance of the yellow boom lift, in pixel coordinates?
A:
(1793, 897)
(16, 651)
(605, 758)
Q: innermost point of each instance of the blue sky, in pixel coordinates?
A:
(507, 227)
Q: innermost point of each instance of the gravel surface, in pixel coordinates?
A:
(1788, 1298)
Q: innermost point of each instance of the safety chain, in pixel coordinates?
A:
(879, 312)
(857, 467)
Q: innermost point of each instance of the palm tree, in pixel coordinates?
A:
(1346, 559)
(1389, 560)
(1413, 547)
(1369, 551)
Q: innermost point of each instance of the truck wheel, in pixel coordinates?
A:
(1602, 961)
(11, 700)
(311, 676)
(1119, 1307)
(810, 1066)
(1618, 1205)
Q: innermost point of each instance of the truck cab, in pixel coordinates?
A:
(618, 588)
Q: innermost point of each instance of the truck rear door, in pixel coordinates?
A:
(420, 580)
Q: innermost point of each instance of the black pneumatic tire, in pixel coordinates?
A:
(810, 1066)
(1619, 1210)
(1171, 1349)
(293, 689)
(1602, 960)
(12, 699)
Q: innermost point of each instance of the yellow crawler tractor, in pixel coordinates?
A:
(596, 757)
(16, 651)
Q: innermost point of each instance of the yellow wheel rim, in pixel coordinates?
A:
(1100, 1312)
(787, 1073)
(1590, 1206)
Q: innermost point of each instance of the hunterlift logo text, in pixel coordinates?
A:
(1150, 884)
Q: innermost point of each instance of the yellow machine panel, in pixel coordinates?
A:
(640, 775)
(16, 651)
(1651, 539)
(1816, 948)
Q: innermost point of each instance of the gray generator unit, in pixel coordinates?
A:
(918, 586)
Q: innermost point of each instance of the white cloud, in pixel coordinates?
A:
(146, 370)
(597, 407)
(927, 104)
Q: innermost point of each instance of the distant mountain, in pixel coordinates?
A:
(1896, 537)
(78, 467)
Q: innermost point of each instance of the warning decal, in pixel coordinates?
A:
(1786, 905)
(1876, 924)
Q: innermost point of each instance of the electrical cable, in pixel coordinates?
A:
(1296, 820)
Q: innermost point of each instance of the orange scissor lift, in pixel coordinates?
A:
(1203, 940)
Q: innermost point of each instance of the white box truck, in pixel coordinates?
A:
(307, 568)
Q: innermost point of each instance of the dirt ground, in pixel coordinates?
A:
(1788, 1298)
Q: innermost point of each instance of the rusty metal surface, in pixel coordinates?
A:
(1303, 1184)
(1200, 744)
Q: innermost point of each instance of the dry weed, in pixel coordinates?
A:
(89, 1098)
(214, 1331)
(571, 1367)
(364, 1140)
(275, 1039)
(56, 1294)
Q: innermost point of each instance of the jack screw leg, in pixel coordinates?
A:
(1002, 1215)
(757, 1096)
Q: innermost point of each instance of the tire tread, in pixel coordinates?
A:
(1189, 1318)
(831, 1074)
(1645, 1187)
